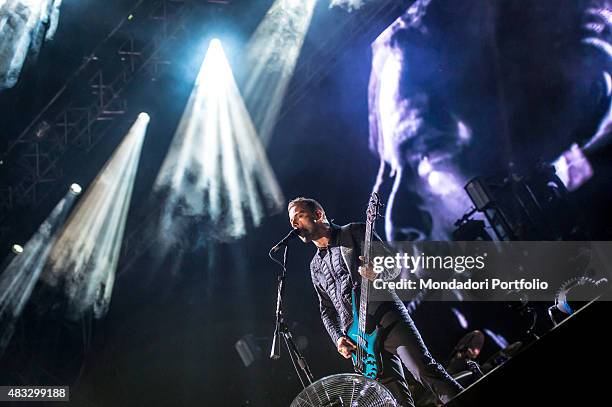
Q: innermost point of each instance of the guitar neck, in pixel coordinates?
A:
(365, 283)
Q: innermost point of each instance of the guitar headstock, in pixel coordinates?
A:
(374, 207)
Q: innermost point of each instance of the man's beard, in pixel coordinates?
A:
(308, 234)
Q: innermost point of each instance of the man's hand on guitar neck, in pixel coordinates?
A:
(345, 346)
(367, 271)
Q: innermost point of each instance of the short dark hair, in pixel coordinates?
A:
(310, 203)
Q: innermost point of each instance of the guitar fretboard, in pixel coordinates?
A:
(365, 283)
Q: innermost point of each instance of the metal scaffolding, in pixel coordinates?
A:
(78, 116)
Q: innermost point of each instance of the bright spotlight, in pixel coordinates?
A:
(21, 24)
(84, 259)
(215, 46)
(76, 189)
(272, 54)
(215, 65)
(17, 248)
(216, 169)
(144, 116)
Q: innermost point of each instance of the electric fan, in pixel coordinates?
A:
(345, 390)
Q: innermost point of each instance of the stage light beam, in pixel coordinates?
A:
(272, 54)
(24, 25)
(21, 275)
(216, 169)
(84, 259)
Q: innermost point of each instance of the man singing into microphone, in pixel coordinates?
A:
(335, 270)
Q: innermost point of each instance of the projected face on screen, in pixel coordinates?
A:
(457, 90)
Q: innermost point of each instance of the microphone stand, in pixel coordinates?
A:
(282, 329)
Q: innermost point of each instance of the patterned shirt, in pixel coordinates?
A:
(334, 285)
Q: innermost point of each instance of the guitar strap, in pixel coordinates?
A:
(347, 244)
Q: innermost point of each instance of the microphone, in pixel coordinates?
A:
(291, 235)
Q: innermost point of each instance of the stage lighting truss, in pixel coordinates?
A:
(79, 115)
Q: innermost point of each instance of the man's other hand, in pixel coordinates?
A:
(345, 346)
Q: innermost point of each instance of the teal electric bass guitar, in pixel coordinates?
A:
(366, 358)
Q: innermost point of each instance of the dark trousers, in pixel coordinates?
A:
(403, 345)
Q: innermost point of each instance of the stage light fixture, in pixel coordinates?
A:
(75, 189)
(17, 248)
